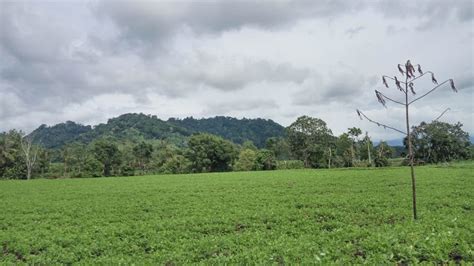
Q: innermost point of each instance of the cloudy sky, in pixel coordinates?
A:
(88, 61)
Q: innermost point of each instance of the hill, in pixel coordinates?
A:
(237, 130)
(60, 134)
(140, 126)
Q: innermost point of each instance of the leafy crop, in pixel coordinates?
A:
(289, 216)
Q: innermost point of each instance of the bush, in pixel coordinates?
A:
(246, 161)
(265, 160)
(381, 161)
(289, 164)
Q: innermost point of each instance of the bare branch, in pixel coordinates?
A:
(422, 74)
(447, 109)
(377, 123)
(433, 89)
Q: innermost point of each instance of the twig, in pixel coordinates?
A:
(422, 96)
(377, 123)
(447, 109)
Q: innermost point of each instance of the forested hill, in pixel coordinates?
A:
(237, 130)
(138, 126)
(59, 135)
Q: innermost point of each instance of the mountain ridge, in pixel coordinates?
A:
(139, 125)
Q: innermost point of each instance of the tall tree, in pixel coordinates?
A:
(108, 154)
(367, 149)
(143, 153)
(210, 153)
(12, 161)
(440, 142)
(354, 134)
(308, 139)
(246, 160)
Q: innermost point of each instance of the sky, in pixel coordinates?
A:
(88, 61)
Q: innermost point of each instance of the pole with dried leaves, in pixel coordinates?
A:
(407, 88)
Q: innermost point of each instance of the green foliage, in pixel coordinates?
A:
(440, 142)
(12, 161)
(382, 154)
(59, 135)
(280, 147)
(290, 164)
(265, 160)
(304, 217)
(246, 161)
(107, 152)
(140, 127)
(248, 144)
(233, 129)
(143, 153)
(209, 153)
(176, 164)
(344, 146)
(308, 139)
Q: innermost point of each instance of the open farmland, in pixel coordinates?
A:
(292, 216)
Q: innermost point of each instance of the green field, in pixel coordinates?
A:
(290, 216)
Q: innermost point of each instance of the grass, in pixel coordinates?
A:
(288, 216)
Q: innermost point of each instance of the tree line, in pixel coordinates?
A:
(308, 143)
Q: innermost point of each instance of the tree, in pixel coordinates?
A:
(407, 87)
(367, 149)
(246, 160)
(30, 152)
(354, 133)
(344, 150)
(308, 139)
(279, 146)
(44, 160)
(176, 164)
(143, 153)
(108, 154)
(440, 142)
(12, 161)
(383, 152)
(265, 160)
(210, 153)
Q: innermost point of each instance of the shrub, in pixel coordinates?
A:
(290, 164)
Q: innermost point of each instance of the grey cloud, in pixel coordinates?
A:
(225, 107)
(429, 13)
(464, 81)
(354, 31)
(153, 21)
(340, 86)
(67, 62)
(230, 73)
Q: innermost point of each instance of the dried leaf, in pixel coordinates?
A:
(433, 79)
(410, 69)
(397, 82)
(358, 113)
(384, 81)
(452, 85)
(400, 69)
(419, 70)
(411, 88)
(380, 97)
